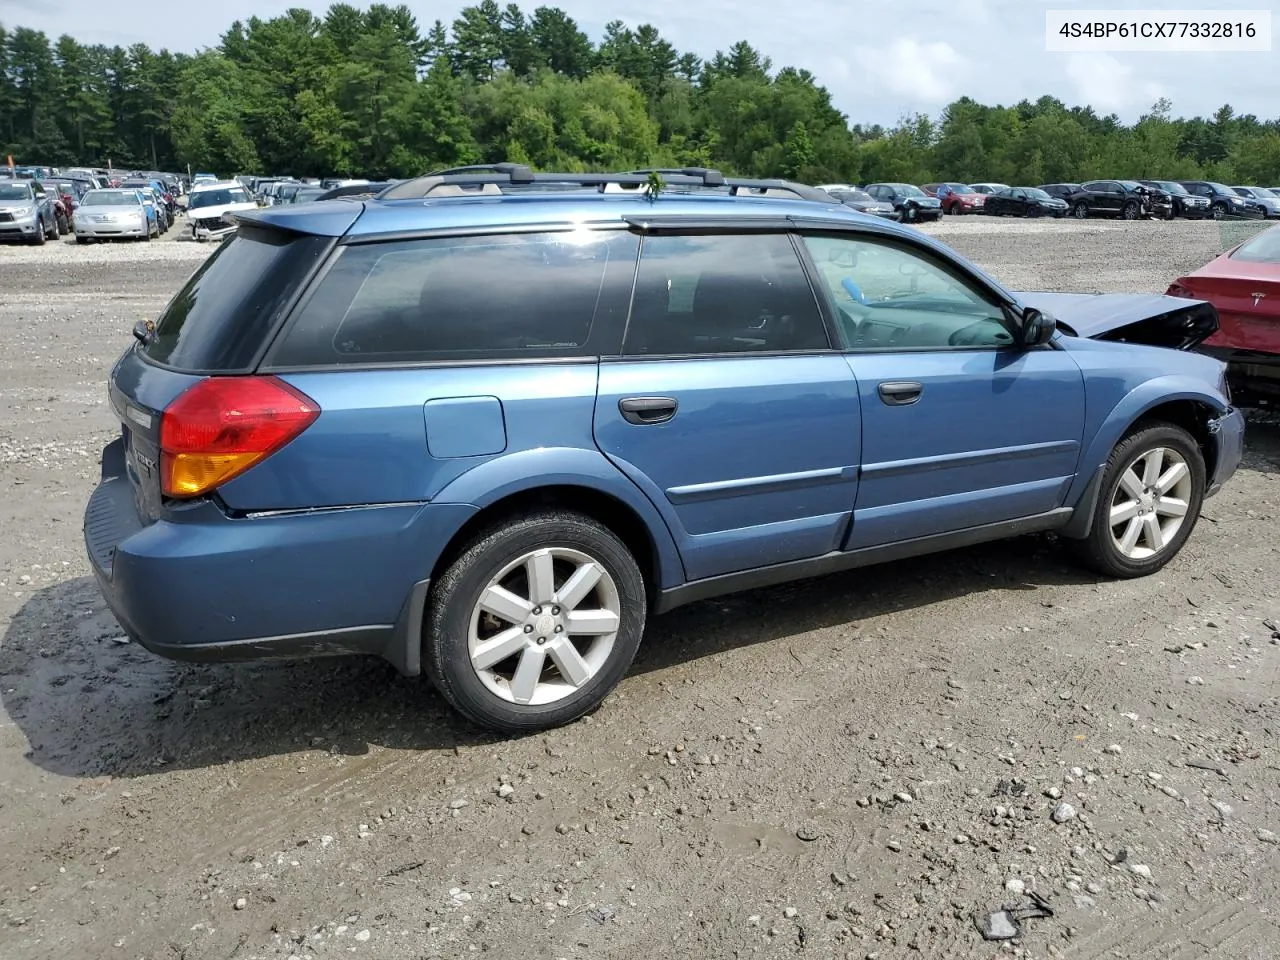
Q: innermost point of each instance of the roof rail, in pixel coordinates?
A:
(501, 178)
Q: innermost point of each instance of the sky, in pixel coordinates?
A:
(881, 59)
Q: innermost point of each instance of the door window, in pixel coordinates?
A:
(722, 294)
(889, 297)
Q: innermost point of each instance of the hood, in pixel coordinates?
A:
(215, 211)
(1153, 319)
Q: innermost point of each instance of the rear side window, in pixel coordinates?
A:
(221, 318)
(504, 297)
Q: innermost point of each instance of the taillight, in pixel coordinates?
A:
(221, 426)
(1178, 290)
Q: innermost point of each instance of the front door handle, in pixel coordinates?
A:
(899, 393)
(646, 410)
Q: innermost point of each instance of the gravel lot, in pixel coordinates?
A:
(850, 767)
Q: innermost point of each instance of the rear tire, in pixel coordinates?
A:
(1152, 489)
(556, 664)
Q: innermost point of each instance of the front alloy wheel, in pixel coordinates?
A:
(1080, 211)
(1148, 502)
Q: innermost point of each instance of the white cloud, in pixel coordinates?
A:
(1108, 85)
(925, 72)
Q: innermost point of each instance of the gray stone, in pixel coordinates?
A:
(1062, 812)
(999, 925)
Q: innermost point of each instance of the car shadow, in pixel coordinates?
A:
(92, 704)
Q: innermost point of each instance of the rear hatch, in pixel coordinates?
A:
(218, 324)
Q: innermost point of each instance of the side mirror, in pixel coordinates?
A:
(1036, 328)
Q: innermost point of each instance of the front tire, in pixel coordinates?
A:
(1149, 502)
(535, 622)
(1080, 211)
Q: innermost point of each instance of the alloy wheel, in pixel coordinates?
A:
(544, 626)
(1150, 503)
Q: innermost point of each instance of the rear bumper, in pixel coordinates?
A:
(1227, 434)
(207, 587)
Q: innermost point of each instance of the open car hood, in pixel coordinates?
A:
(1153, 319)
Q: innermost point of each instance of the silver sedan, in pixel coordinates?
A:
(113, 215)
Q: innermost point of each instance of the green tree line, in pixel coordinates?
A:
(370, 93)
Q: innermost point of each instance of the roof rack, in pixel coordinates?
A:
(501, 178)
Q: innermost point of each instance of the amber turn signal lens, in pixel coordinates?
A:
(191, 474)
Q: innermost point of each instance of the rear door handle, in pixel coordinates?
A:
(646, 410)
(899, 393)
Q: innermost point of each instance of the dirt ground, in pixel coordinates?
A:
(850, 767)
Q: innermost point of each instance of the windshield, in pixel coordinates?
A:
(14, 191)
(217, 198)
(110, 198)
(1263, 248)
(907, 190)
(959, 188)
(1168, 186)
(1218, 187)
(1035, 193)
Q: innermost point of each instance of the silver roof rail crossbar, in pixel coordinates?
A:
(501, 178)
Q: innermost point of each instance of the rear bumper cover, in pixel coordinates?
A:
(207, 587)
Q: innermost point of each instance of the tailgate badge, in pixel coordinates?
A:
(1257, 297)
(140, 417)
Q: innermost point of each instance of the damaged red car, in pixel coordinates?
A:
(1244, 285)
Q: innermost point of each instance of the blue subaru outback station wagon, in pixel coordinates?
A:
(487, 422)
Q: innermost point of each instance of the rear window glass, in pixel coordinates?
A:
(512, 296)
(220, 319)
(1264, 248)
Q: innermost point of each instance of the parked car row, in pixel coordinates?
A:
(37, 211)
(1125, 199)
